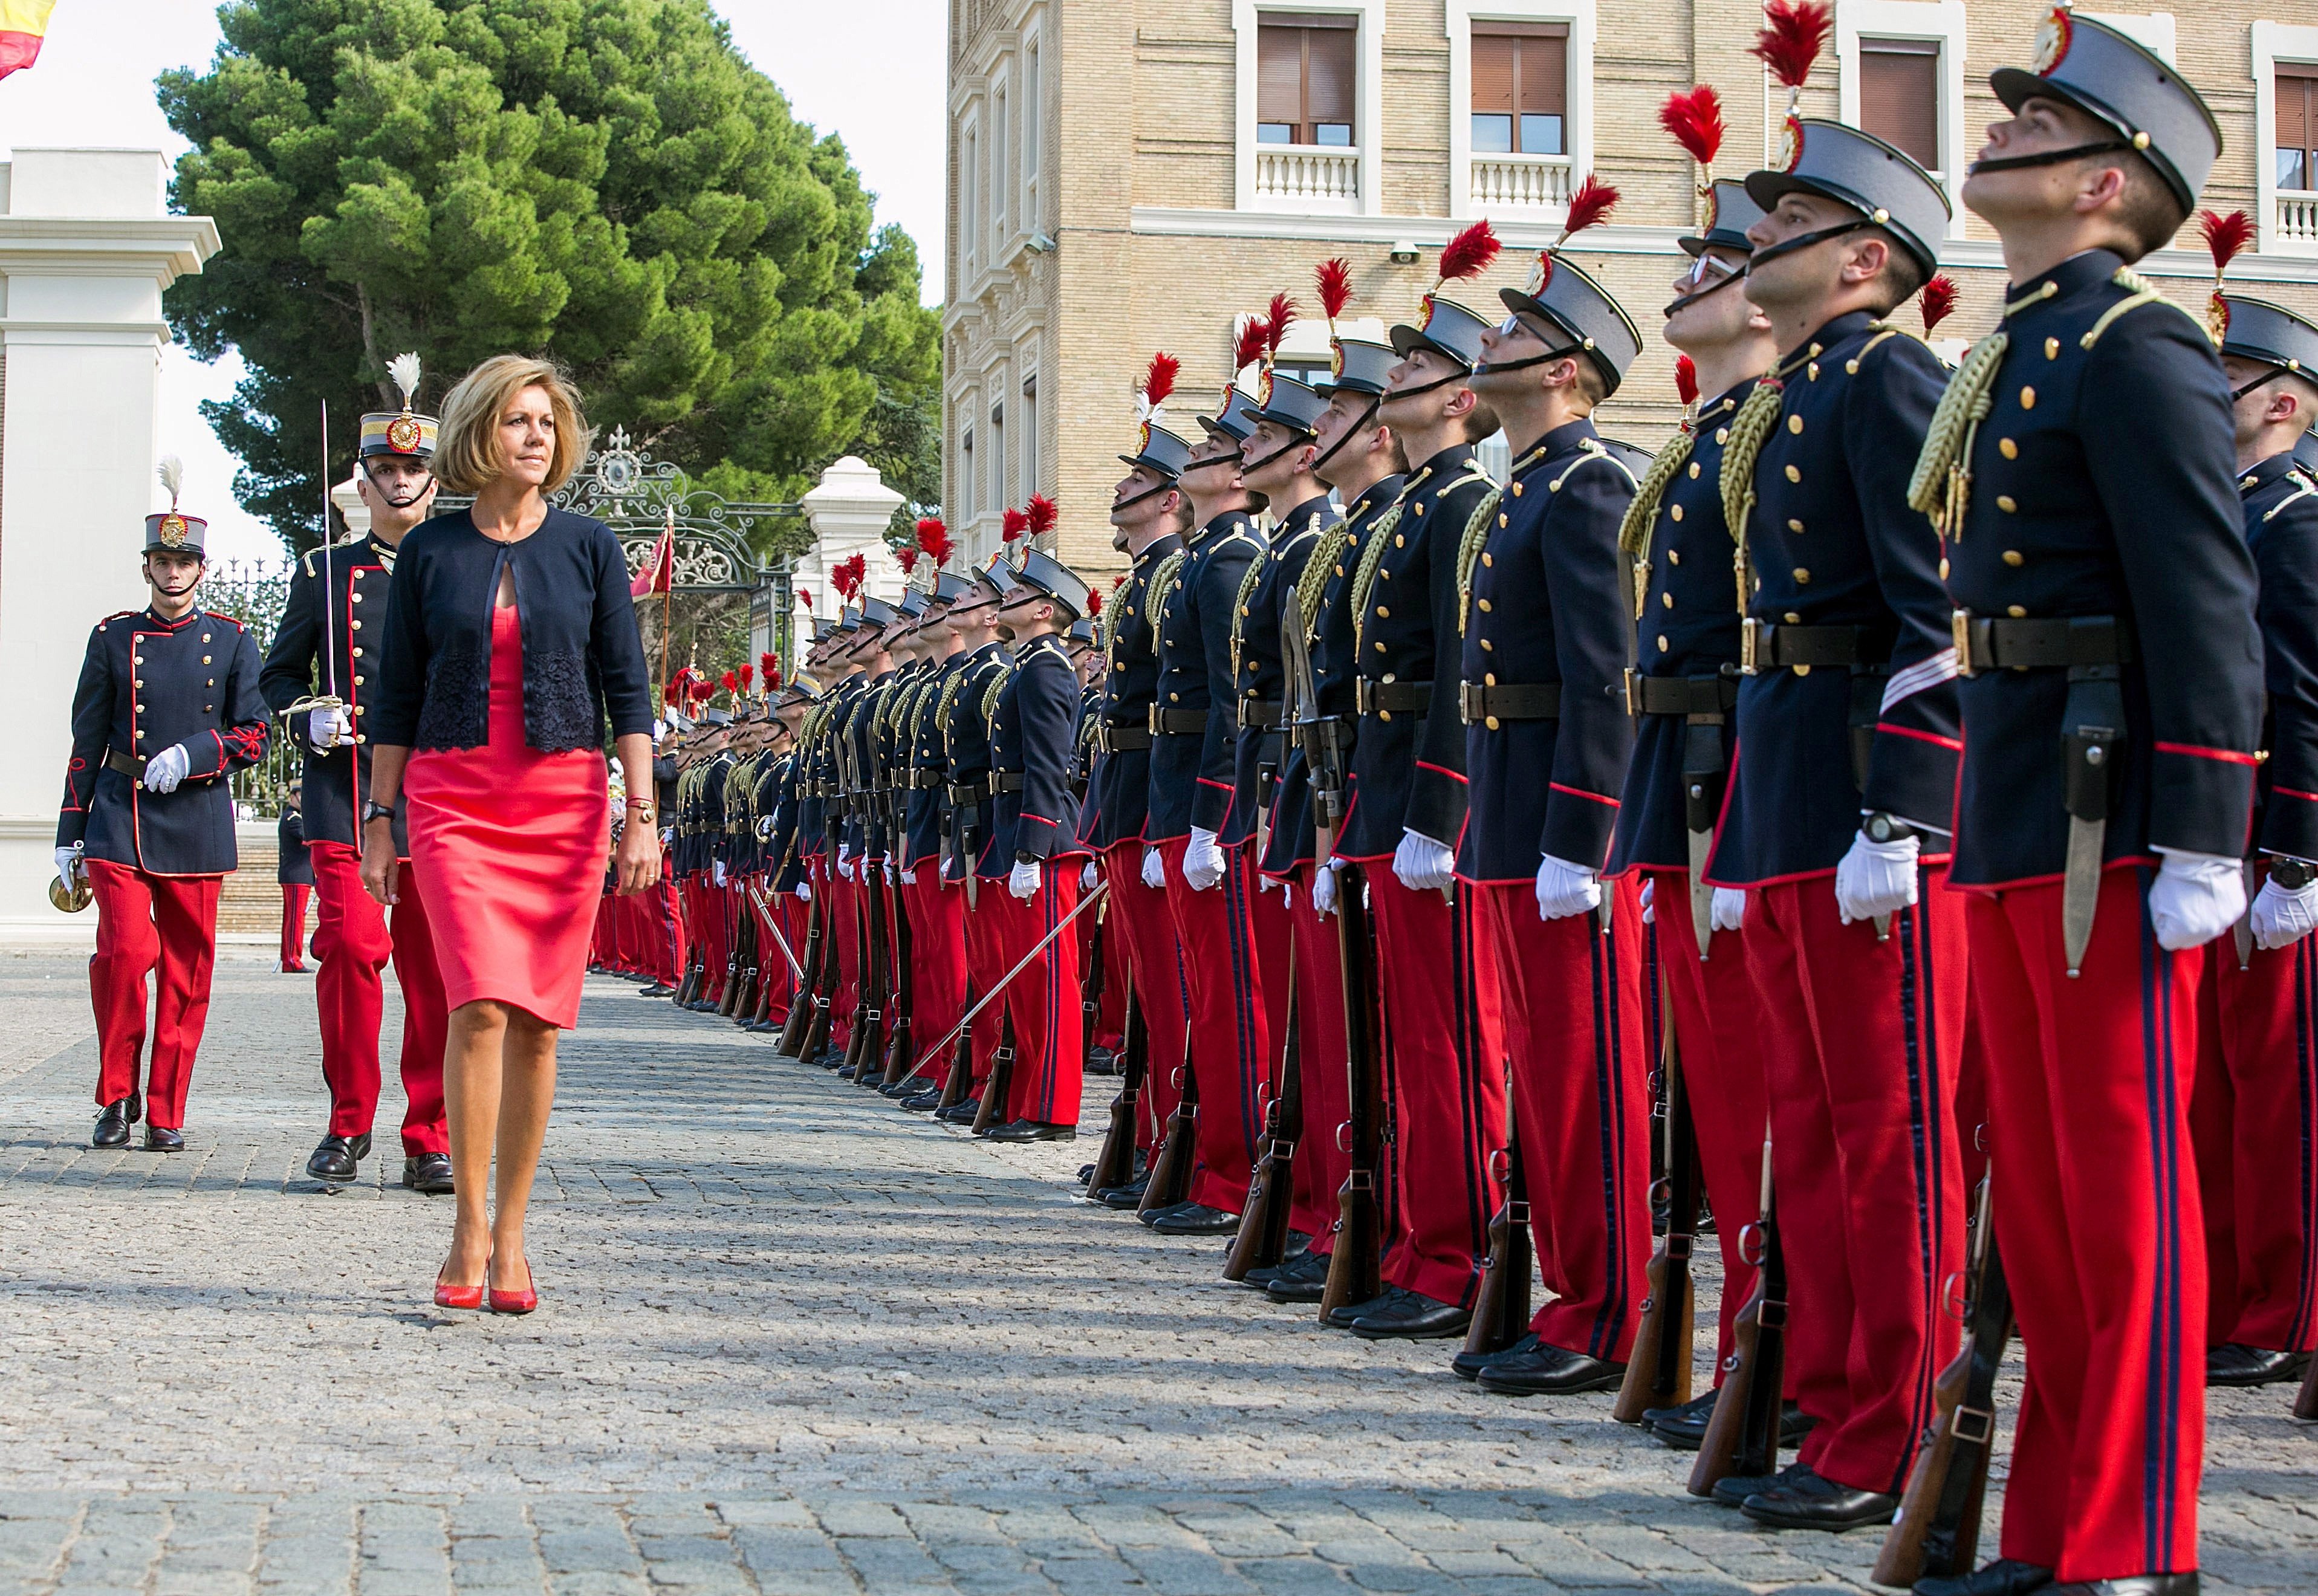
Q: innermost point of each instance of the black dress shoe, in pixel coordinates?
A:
(1100, 1061)
(158, 1139)
(656, 990)
(1303, 1278)
(923, 1102)
(1416, 1317)
(1687, 1419)
(910, 1086)
(961, 1112)
(428, 1172)
(1731, 1490)
(2232, 1364)
(1467, 1366)
(336, 1157)
(1195, 1219)
(1298, 1241)
(1806, 1500)
(112, 1126)
(1130, 1195)
(2007, 1576)
(2132, 1584)
(1032, 1130)
(1342, 1318)
(1547, 1370)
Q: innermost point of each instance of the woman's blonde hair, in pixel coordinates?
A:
(467, 446)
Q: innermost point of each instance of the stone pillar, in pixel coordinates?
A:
(849, 510)
(87, 248)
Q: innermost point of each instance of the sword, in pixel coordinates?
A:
(1085, 903)
(764, 906)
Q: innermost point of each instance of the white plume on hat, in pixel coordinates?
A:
(404, 370)
(173, 477)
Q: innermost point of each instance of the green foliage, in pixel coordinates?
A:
(606, 182)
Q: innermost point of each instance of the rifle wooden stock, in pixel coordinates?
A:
(960, 1075)
(1937, 1529)
(1501, 1309)
(1657, 1369)
(1262, 1241)
(1742, 1437)
(1092, 981)
(1114, 1166)
(1356, 1256)
(1000, 1084)
(734, 962)
(1171, 1167)
(867, 1015)
(2305, 1405)
(695, 966)
(791, 1041)
(877, 981)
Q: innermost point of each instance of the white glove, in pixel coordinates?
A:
(909, 876)
(1564, 889)
(328, 728)
(1649, 901)
(1729, 910)
(804, 891)
(1287, 895)
(2281, 916)
(1203, 861)
(1423, 864)
(1876, 877)
(71, 862)
(1023, 881)
(2195, 898)
(716, 871)
(667, 836)
(1324, 890)
(1087, 877)
(845, 860)
(167, 768)
(887, 866)
(1155, 869)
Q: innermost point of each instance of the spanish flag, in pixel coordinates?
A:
(22, 24)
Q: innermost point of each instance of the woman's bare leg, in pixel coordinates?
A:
(471, 1074)
(527, 1094)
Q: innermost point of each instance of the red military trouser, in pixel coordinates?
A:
(715, 934)
(2254, 1117)
(294, 924)
(1110, 1015)
(1321, 1164)
(985, 962)
(144, 922)
(1719, 1037)
(1229, 1046)
(2097, 1222)
(354, 942)
(1566, 1008)
(1862, 1039)
(938, 956)
(664, 914)
(1275, 970)
(1145, 926)
(1043, 1000)
(1445, 1092)
(846, 928)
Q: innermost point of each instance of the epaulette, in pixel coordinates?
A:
(2139, 292)
(226, 619)
(2303, 489)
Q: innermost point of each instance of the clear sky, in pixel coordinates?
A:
(870, 70)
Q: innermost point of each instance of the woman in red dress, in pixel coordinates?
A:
(508, 635)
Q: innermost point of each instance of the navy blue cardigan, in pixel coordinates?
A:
(582, 652)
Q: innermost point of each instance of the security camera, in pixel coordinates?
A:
(1040, 244)
(1403, 252)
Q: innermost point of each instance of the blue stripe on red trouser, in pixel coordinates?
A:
(985, 963)
(1043, 1000)
(1445, 1094)
(1566, 1009)
(2254, 1114)
(937, 910)
(2097, 1220)
(1862, 1039)
(1321, 1163)
(1230, 1040)
(144, 922)
(354, 937)
(1145, 924)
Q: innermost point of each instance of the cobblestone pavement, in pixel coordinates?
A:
(793, 1340)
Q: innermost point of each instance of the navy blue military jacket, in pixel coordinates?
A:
(360, 568)
(764, 811)
(965, 740)
(1034, 735)
(2104, 483)
(293, 865)
(2281, 516)
(1118, 788)
(1259, 675)
(1832, 543)
(777, 823)
(834, 827)
(712, 808)
(1192, 771)
(927, 806)
(146, 685)
(1546, 603)
(1294, 835)
(1689, 628)
(1408, 766)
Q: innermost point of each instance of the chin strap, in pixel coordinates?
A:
(1497, 367)
(2051, 157)
(1349, 433)
(1806, 241)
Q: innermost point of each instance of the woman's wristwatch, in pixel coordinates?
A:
(375, 811)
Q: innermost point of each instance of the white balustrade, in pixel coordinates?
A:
(2297, 218)
(1510, 180)
(1308, 175)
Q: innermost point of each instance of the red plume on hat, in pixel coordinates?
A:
(1685, 379)
(1469, 253)
(1793, 35)
(1277, 317)
(1094, 603)
(1158, 385)
(1695, 121)
(847, 575)
(933, 541)
(906, 557)
(1333, 279)
(768, 669)
(1012, 524)
(1254, 337)
(672, 692)
(1939, 302)
(804, 597)
(2225, 237)
(747, 673)
(702, 692)
(730, 681)
(1040, 517)
(1590, 206)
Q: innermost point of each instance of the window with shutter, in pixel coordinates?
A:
(1306, 73)
(1900, 97)
(2297, 127)
(1521, 88)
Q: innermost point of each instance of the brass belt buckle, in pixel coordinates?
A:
(1960, 629)
(1750, 647)
(1633, 691)
(1153, 714)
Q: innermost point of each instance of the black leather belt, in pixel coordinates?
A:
(1478, 702)
(129, 764)
(1259, 711)
(1006, 780)
(968, 793)
(1763, 646)
(1982, 643)
(1385, 698)
(1178, 722)
(1680, 695)
(1120, 739)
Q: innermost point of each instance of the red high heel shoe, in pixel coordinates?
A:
(513, 1302)
(447, 1296)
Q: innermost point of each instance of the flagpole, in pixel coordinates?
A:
(666, 594)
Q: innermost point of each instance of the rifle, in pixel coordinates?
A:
(791, 1041)
(1937, 1529)
(900, 1044)
(876, 983)
(1114, 1166)
(740, 987)
(1658, 1370)
(990, 1107)
(959, 1077)
(1501, 1305)
(1171, 1166)
(1262, 1241)
(1092, 984)
(730, 987)
(2305, 1405)
(1742, 1437)
(824, 988)
(695, 971)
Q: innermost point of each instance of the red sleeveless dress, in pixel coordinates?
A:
(509, 846)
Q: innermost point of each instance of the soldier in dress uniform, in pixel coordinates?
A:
(1359, 457)
(2255, 1107)
(1445, 1100)
(166, 708)
(2081, 468)
(963, 718)
(1682, 694)
(1856, 949)
(328, 642)
(711, 926)
(1034, 853)
(938, 906)
(1543, 605)
(293, 870)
